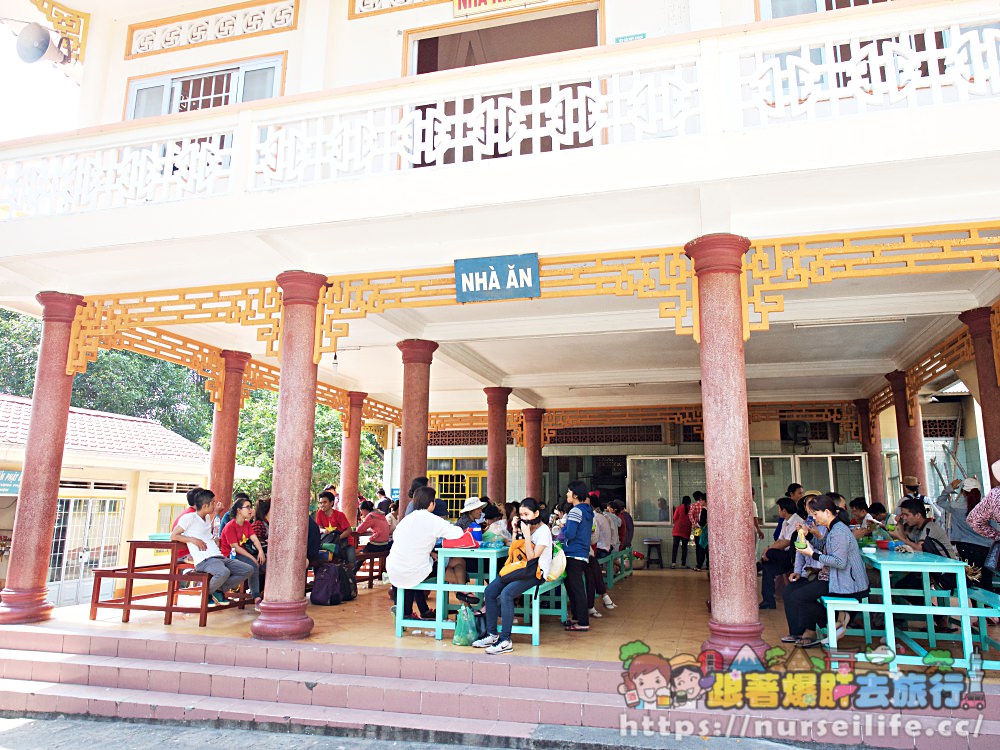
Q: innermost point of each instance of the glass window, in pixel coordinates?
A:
(688, 476)
(650, 485)
(440, 464)
(251, 81)
(814, 474)
(470, 464)
(849, 477)
(785, 8)
(775, 476)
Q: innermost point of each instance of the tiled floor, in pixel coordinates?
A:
(665, 608)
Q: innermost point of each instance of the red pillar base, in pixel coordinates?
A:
(729, 639)
(282, 621)
(27, 605)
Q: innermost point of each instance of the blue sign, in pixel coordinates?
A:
(629, 38)
(501, 277)
(394, 494)
(10, 482)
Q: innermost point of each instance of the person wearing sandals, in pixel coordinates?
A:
(409, 561)
(809, 581)
(839, 553)
(503, 591)
(579, 575)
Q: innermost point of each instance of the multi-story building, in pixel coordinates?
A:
(546, 200)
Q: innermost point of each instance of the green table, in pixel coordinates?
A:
(890, 564)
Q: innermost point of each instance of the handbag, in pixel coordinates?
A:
(466, 541)
(251, 548)
(517, 558)
(481, 631)
(992, 562)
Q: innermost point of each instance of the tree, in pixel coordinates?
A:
(255, 447)
(119, 382)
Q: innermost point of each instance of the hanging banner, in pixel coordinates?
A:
(472, 7)
(500, 277)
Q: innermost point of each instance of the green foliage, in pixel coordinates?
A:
(255, 447)
(628, 651)
(118, 382)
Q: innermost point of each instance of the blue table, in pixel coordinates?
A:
(889, 563)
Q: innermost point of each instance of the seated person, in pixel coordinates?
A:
(234, 538)
(533, 545)
(458, 567)
(862, 518)
(336, 529)
(373, 522)
(882, 516)
(195, 530)
(919, 533)
(777, 558)
(495, 522)
(410, 561)
(262, 520)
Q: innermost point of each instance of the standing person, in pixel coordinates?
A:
(837, 551)
(777, 558)
(662, 510)
(336, 529)
(682, 532)
(987, 511)
(697, 505)
(382, 502)
(579, 575)
(912, 486)
(195, 530)
(972, 547)
(502, 593)
(410, 560)
(701, 526)
(601, 549)
(235, 536)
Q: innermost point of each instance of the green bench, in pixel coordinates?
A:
(624, 570)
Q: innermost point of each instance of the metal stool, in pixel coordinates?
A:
(652, 545)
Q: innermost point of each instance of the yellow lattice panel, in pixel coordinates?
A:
(203, 359)
(657, 273)
(778, 265)
(944, 356)
(515, 425)
(379, 411)
(844, 414)
(381, 433)
(456, 420)
(880, 402)
(249, 305)
(558, 419)
(68, 23)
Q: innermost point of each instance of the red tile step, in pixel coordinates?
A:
(458, 665)
(547, 704)
(39, 697)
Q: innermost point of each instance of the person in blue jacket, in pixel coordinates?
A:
(580, 584)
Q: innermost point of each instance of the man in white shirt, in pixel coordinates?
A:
(409, 561)
(776, 559)
(195, 530)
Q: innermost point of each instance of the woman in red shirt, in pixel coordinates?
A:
(375, 523)
(682, 532)
(237, 533)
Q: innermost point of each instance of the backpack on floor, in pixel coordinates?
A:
(348, 584)
(326, 588)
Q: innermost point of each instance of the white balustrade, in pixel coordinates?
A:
(772, 75)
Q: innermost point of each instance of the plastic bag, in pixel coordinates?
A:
(465, 627)
(492, 541)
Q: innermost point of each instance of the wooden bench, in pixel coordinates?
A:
(372, 567)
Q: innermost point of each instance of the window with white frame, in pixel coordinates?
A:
(785, 8)
(204, 89)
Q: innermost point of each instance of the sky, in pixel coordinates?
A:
(35, 99)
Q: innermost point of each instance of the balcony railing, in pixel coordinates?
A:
(887, 57)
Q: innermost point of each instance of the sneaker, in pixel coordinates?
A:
(608, 604)
(220, 598)
(503, 647)
(595, 613)
(673, 567)
(490, 640)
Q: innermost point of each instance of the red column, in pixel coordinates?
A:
(283, 611)
(978, 322)
(350, 457)
(417, 356)
(225, 428)
(871, 443)
(496, 443)
(533, 451)
(735, 621)
(23, 598)
(911, 436)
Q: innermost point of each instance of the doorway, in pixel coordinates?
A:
(86, 536)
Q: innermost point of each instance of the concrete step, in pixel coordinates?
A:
(463, 665)
(47, 698)
(546, 704)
